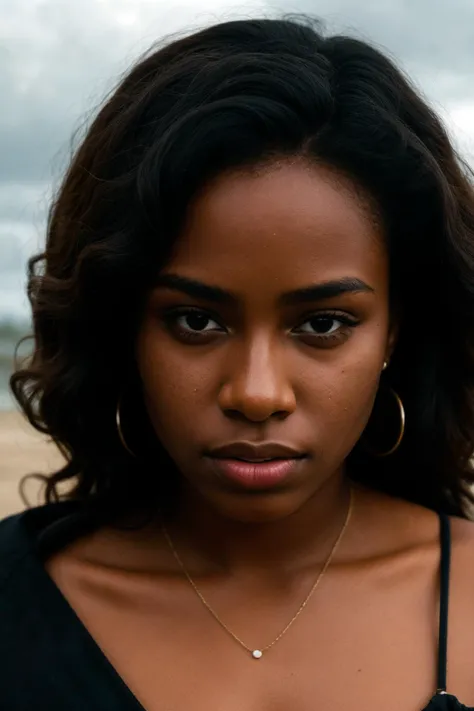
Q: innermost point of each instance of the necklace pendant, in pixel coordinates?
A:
(257, 654)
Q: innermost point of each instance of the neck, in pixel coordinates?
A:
(210, 541)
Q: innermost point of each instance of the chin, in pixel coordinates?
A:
(258, 507)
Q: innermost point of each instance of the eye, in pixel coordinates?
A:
(327, 328)
(196, 321)
(192, 324)
(321, 325)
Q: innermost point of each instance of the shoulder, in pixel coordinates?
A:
(20, 536)
(462, 551)
(13, 546)
(461, 608)
(28, 607)
(462, 530)
(18, 580)
(461, 572)
(462, 541)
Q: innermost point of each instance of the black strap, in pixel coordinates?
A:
(445, 539)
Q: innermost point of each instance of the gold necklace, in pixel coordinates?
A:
(258, 653)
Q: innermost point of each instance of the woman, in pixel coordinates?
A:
(254, 333)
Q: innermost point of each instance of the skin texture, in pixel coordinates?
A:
(259, 369)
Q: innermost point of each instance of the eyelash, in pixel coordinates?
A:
(347, 321)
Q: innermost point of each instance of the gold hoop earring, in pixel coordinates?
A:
(401, 434)
(118, 421)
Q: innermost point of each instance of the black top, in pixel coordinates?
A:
(49, 661)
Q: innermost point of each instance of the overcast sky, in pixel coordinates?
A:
(59, 57)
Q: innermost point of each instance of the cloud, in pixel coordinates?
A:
(432, 39)
(460, 119)
(58, 60)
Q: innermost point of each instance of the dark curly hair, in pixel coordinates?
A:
(230, 96)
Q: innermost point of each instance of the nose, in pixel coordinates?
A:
(257, 387)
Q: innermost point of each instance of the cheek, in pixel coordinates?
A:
(338, 398)
(350, 398)
(172, 389)
(356, 385)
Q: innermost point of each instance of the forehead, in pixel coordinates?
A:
(279, 228)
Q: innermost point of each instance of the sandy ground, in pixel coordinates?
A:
(22, 451)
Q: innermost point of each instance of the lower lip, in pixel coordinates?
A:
(258, 475)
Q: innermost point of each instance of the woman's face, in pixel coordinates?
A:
(269, 327)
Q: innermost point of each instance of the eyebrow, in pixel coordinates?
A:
(215, 294)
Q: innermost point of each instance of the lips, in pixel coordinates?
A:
(254, 466)
(250, 452)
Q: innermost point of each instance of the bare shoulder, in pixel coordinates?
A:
(462, 531)
(461, 609)
(462, 542)
(410, 528)
(462, 569)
